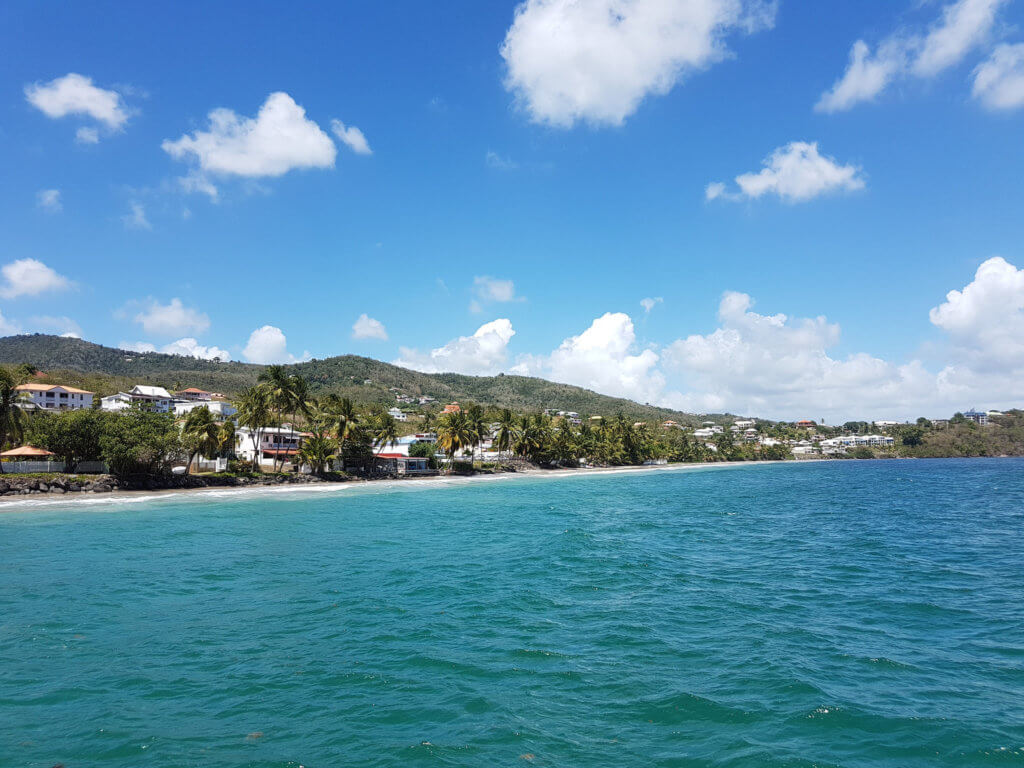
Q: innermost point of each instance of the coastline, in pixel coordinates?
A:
(221, 493)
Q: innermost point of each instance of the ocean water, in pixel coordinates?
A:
(834, 614)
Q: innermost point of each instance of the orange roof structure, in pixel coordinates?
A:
(26, 451)
(33, 387)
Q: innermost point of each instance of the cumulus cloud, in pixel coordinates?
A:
(985, 319)
(351, 137)
(268, 344)
(603, 358)
(483, 353)
(75, 94)
(29, 277)
(187, 347)
(796, 172)
(491, 290)
(49, 200)
(962, 27)
(595, 61)
(62, 325)
(999, 81)
(171, 319)
(365, 327)
(650, 303)
(136, 217)
(278, 140)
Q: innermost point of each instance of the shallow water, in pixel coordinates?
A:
(833, 614)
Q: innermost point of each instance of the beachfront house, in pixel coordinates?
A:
(156, 399)
(272, 444)
(53, 397)
(192, 394)
(219, 409)
(399, 464)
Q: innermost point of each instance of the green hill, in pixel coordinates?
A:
(105, 370)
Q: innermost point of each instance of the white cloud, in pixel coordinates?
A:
(483, 353)
(650, 303)
(278, 140)
(595, 61)
(49, 200)
(496, 161)
(136, 346)
(493, 289)
(8, 327)
(866, 75)
(189, 347)
(171, 319)
(29, 277)
(602, 358)
(796, 172)
(365, 327)
(136, 217)
(999, 81)
(87, 136)
(268, 344)
(62, 325)
(963, 26)
(75, 94)
(351, 137)
(194, 181)
(985, 319)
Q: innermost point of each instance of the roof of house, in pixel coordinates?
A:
(193, 391)
(33, 387)
(27, 450)
(148, 391)
(397, 456)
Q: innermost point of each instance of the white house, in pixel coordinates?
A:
(745, 423)
(193, 394)
(55, 397)
(219, 409)
(402, 445)
(397, 414)
(156, 399)
(272, 443)
(704, 432)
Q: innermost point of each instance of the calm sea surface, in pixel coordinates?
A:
(836, 614)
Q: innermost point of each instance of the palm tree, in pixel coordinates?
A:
(345, 418)
(226, 439)
(288, 394)
(385, 430)
(200, 434)
(12, 418)
(507, 432)
(453, 434)
(319, 449)
(477, 423)
(255, 412)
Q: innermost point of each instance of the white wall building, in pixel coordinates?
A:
(156, 399)
(272, 443)
(397, 414)
(55, 397)
(220, 409)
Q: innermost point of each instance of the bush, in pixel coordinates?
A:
(140, 443)
(862, 452)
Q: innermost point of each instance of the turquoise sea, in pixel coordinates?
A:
(860, 613)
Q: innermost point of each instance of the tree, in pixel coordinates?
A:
(73, 435)
(255, 412)
(453, 434)
(384, 430)
(507, 432)
(12, 418)
(424, 450)
(200, 435)
(477, 422)
(345, 418)
(137, 442)
(288, 393)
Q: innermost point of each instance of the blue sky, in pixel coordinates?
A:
(534, 170)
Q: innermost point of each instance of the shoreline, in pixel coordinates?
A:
(121, 497)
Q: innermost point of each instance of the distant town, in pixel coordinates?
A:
(276, 431)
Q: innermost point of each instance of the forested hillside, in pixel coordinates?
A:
(105, 370)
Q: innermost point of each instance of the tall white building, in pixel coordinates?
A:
(56, 397)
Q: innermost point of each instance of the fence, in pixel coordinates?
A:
(26, 467)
